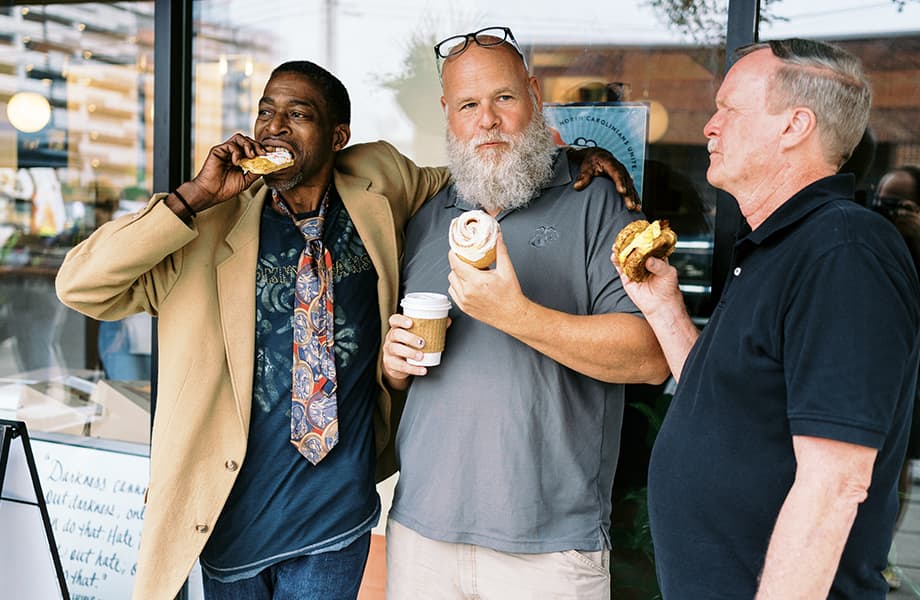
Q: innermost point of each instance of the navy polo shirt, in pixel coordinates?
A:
(816, 334)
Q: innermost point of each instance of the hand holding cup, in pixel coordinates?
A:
(428, 312)
(416, 339)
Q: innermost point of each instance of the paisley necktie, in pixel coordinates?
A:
(314, 414)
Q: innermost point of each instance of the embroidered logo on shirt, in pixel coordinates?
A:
(544, 236)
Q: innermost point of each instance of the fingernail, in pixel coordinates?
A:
(421, 343)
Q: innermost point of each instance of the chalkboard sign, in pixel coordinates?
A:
(95, 498)
(29, 564)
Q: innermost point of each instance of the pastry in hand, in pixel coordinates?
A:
(267, 163)
(639, 240)
(472, 237)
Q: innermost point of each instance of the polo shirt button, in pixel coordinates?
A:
(231, 465)
(202, 528)
(737, 271)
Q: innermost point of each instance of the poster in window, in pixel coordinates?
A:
(619, 127)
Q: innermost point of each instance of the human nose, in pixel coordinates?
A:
(709, 129)
(488, 117)
(278, 123)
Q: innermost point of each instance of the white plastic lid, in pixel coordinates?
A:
(426, 302)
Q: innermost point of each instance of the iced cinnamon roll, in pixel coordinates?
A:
(472, 236)
(267, 163)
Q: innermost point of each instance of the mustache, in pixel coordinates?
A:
(711, 145)
(491, 138)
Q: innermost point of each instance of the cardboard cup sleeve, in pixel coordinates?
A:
(432, 331)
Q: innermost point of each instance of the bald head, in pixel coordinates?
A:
(502, 51)
(901, 183)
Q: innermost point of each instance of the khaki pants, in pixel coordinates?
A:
(419, 568)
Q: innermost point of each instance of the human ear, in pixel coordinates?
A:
(537, 94)
(340, 136)
(800, 125)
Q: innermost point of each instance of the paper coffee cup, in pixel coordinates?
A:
(428, 312)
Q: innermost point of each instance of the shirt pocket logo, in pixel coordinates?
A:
(544, 236)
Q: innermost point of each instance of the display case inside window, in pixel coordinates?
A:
(76, 107)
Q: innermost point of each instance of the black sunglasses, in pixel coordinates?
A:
(488, 37)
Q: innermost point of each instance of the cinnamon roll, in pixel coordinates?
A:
(472, 237)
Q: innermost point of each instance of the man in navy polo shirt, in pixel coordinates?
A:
(775, 472)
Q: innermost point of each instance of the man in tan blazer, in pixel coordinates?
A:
(201, 261)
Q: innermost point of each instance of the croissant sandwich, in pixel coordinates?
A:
(639, 240)
(267, 163)
(472, 237)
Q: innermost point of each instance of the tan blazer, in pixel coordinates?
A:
(200, 282)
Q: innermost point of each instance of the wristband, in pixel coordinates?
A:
(185, 203)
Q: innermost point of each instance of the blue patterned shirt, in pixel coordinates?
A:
(282, 506)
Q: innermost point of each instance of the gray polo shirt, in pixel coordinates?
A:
(501, 446)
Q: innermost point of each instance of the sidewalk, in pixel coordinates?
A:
(906, 551)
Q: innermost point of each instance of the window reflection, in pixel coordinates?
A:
(678, 85)
(76, 107)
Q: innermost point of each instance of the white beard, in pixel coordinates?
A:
(502, 180)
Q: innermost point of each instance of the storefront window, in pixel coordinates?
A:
(76, 104)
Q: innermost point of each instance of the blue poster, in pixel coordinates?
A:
(620, 127)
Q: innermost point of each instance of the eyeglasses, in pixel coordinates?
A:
(489, 37)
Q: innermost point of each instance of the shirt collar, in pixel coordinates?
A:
(561, 176)
(804, 202)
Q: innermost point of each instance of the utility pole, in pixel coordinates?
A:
(330, 8)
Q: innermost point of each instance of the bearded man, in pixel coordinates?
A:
(508, 448)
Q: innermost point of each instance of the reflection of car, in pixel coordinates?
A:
(693, 260)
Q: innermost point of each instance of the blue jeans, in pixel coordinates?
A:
(327, 576)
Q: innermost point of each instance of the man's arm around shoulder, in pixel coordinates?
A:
(393, 175)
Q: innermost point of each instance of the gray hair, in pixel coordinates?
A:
(828, 80)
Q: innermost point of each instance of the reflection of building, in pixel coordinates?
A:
(684, 80)
(231, 67)
(95, 66)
